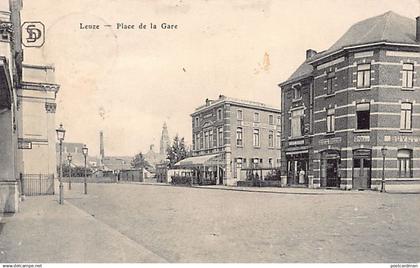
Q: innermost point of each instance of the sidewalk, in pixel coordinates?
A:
(396, 189)
(44, 231)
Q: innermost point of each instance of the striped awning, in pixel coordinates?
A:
(202, 160)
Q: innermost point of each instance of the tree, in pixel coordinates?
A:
(177, 151)
(140, 162)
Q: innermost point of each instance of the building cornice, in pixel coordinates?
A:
(367, 45)
(236, 102)
(39, 67)
(40, 86)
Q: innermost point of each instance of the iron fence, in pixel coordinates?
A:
(37, 184)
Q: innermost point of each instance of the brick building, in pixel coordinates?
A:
(230, 134)
(343, 105)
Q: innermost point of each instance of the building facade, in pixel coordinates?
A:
(36, 112)
(230, 134)
(344, 105)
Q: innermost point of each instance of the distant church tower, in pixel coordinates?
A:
(164, 140)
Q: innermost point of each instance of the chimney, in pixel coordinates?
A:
(101, 144)
(310, 53)
(418, 29)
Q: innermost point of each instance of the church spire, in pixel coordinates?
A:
(164, 140)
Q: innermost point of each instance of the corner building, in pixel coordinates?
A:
(231, 134)
(343, 105)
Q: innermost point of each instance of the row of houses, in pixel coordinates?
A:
(347, 114)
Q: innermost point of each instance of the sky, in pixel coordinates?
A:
(129, 82)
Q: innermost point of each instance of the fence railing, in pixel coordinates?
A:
(37, 184)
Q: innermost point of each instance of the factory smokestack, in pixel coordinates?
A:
(101, 145)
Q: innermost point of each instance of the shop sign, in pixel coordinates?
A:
(336, 140)
(404, 139)
(361, 138)
(297, 142)
(23, 144)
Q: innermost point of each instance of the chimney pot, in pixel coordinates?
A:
(310, 53)
(418, 29)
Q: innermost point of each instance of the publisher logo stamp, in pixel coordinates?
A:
(33, 34)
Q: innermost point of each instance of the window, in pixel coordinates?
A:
(211, 138)
(201, 141)
(271, 139)
(278, 139)
(239, 136)
(406, 111)
(297, 94)
(297, 123)
(239, 115)
(194, 142)
(363, 115)
(256, 117)
(271, 119)
(404, 163)
(206, 140)
(363, 75)
(197, 141)
(330, 120)
(330, 83)
(220, 136)
(256, 140)
(270, 162)
(407, 75)
(196, 122)
(279, 120)
(219, 114)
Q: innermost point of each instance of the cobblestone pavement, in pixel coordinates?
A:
(182, 224)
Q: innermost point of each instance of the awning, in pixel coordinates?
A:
(202, 160)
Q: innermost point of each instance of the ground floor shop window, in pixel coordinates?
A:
(297, 169)
(404, 158)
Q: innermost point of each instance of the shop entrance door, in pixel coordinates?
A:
(362, 164)
(332, 173)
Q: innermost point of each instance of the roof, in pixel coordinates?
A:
(389, 27)
(304, 70)
(202, 160)
(235, 101)
(117, 162)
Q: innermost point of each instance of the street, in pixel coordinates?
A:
(152, 223)
(200, 225)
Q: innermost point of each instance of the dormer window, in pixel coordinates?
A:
(297, 92)
(219, 114)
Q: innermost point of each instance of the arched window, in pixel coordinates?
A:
(404, 158)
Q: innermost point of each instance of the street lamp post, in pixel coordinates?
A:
(61, 132)
(383, 151)
(85, 153)
(69, 157)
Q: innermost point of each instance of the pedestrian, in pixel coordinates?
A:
(301, 176)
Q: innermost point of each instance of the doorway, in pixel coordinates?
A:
(330, 175)
(362, 164)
